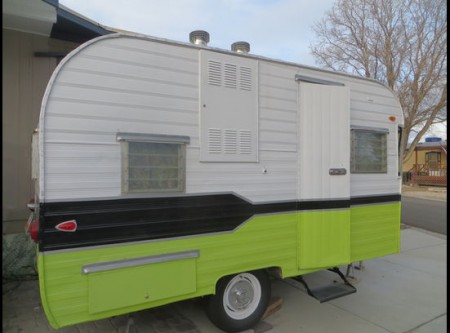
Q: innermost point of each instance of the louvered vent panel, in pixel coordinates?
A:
(228, 108)
(230, 76)
(214, 73)
(227, 75)
(214, 141)
(245, 142)
(245, 76)
(230, 141)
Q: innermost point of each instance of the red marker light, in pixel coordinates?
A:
(34, 230)
(68, 226)
(392, 118)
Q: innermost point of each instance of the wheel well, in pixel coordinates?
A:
(275, 272)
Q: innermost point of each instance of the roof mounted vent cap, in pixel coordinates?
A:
(240, 47)
(199, 37)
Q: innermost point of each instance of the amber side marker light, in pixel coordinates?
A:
(392, 118)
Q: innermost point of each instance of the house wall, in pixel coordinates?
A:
(25, 78)
(420, 153)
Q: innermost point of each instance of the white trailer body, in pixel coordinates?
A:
(265, 140)
(142, 85)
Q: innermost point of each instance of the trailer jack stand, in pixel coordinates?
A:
(130, 325)
(129, 328)
(350, 273)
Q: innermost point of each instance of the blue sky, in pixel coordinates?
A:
(279, 29)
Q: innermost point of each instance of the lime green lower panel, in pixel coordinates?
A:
(298, 243)
(71, 297)
(375, 231)
(125, 287)
(324, 239)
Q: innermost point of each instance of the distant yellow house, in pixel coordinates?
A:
(428, 164)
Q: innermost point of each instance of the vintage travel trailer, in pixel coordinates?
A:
(167, 171)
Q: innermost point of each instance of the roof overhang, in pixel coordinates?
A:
(36, 17)
(49, 18)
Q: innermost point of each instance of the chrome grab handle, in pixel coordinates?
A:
(337, 171)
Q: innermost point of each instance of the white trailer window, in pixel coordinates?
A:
(153, 163)
(369, 151)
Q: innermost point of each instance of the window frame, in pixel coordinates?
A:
(126, 138)
(384, 149)
(433, 164)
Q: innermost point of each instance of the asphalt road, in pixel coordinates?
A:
(427, 214)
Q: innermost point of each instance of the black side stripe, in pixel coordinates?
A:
(104, 222)
(375, 199)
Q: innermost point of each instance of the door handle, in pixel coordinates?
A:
(337, 171)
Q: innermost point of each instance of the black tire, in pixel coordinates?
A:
(240, 301)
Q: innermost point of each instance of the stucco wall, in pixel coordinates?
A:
(25, 78)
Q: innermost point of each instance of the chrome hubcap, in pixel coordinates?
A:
(242, 296)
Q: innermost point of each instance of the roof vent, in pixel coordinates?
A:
(240, 47)
(199, 37)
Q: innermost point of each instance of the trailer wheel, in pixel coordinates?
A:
(240, 301)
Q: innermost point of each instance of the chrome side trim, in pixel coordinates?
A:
(160, 138)
(309, 79)
(369, 129)
(117, 264)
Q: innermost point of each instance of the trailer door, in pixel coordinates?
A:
(324, 174)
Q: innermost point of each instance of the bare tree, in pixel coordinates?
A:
(402, 43)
